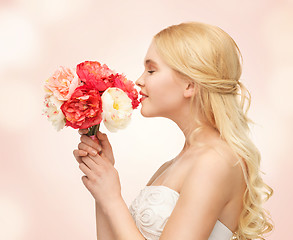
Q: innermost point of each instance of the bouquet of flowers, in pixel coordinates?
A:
(83, 97)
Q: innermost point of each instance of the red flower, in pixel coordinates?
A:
(95, 75)
(83, 109)
(127, 86)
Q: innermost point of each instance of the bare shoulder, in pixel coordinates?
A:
(211, 161)
(218, 161)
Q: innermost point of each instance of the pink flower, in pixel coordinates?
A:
(63, 83)
(83, 109)
(95, 75)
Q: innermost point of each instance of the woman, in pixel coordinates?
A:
(212, 189)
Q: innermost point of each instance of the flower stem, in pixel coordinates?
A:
(93, 130)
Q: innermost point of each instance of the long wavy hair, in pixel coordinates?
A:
(208, 57)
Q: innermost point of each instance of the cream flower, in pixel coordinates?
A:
(117, 109)
(53, 112)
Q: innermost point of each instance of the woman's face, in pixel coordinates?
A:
(163, 88)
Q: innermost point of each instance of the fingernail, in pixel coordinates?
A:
(94, 152)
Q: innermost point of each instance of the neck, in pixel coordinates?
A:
(188, 122)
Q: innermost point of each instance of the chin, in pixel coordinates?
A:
(143, 113)
(146, 113)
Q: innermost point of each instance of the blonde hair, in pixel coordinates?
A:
(208, 57)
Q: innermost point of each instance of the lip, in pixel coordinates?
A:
(142, 98)
(141, 93)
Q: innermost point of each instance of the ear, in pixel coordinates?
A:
(189, 90)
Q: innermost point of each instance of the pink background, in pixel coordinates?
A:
(41, 192)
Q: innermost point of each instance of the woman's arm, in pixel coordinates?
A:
(120, 221)
(104, 231)
(113, 219)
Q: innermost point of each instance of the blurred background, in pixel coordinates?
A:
(41, 192)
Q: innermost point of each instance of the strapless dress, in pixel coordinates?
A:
(152, 208)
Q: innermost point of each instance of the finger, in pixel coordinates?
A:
(83, 131)
(104, 140)
(99, 160)
(91, 164)
(86, 170)
(92, 143)
(78, 154)
(86, 181)
(87, 148)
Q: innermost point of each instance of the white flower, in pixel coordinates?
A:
(53, 112)
(117, 109)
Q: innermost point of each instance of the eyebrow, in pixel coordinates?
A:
(150, 61)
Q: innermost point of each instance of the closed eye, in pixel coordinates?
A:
(150, 72)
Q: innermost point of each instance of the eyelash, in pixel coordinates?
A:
(150, 72)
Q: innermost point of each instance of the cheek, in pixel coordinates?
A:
(163, 90)
(166, 95)
(160, 85)
(163, 101)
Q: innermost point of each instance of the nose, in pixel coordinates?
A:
(140, 82)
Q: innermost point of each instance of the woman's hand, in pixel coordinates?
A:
(101, 179)
(98, 144)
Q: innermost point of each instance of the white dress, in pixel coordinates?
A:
(152, 208)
